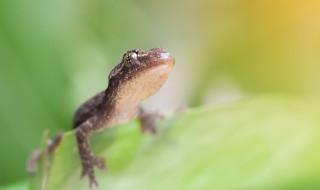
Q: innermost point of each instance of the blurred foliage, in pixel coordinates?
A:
(233, 146)
(56, 54)
(18, 185)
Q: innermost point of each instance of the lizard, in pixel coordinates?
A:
(139, 75)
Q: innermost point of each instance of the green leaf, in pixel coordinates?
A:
(262, 143)
(16, 185)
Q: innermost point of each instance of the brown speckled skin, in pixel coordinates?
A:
(139, 75)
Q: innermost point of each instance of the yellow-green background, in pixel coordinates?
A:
(55, 54)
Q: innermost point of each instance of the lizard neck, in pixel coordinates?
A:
(116, 106)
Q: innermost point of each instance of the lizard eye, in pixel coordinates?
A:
(130, 58)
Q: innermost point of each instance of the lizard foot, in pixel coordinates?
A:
(100, 162)
(148, 121)
(88, 168)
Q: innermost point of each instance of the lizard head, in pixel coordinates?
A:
(137, 62)
(142, 72)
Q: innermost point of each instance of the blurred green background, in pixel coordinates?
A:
(56, 54)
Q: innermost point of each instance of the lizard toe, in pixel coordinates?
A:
(100, 162)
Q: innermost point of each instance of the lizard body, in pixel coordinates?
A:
(139, 75)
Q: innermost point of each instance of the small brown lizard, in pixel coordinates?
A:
(139, 75)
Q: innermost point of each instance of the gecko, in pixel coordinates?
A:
(139, 75)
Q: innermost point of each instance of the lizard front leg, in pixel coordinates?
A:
(148, 121)
(51, 145)
(83, 133)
